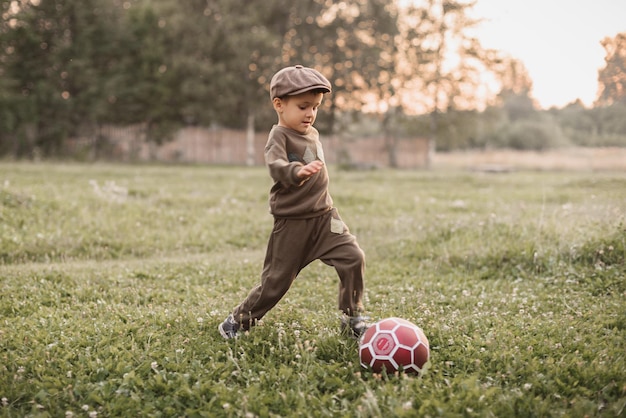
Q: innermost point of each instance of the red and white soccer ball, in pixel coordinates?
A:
(394, 344)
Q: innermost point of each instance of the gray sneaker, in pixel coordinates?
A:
(354, 325)
(229, 327)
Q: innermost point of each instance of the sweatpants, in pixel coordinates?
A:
(295, 243)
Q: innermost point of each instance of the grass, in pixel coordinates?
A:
(114, 278)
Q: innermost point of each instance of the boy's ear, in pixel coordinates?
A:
(278, 104)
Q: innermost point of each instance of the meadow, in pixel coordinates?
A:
(113, 279)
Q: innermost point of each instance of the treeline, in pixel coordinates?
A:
(69, 67)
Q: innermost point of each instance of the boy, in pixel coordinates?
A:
(306, 225)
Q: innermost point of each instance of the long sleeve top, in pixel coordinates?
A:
(286, 152)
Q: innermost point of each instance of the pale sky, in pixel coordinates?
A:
(557, 40)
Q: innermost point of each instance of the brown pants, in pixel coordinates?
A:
(295, 243)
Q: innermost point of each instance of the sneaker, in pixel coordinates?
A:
(354, 325)
(229, 327)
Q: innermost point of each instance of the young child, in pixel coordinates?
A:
(306, 225)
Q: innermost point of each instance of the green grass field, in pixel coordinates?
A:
(114, 278)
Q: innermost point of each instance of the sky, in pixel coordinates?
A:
(557, 40)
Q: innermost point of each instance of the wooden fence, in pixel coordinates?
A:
(201, 145)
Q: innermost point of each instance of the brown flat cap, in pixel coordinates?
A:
(297, 79)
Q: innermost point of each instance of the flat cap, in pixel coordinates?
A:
(297, 79)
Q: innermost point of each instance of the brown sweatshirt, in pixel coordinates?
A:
(286, 152)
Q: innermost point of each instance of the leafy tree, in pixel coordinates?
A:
(437, 30)
(30, 36)
(612, 78)
(577, 123)
(55, 56)
(145, 84)
(351, 42)
(516, 87)
(596, 127)
(497, 125)
(610, 124)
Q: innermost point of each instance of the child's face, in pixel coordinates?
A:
(298, 112)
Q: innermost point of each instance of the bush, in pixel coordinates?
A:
(531, 134)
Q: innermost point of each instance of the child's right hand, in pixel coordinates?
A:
(310, 169)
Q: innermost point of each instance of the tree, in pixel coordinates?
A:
(515, 88)
(441, 61)
(55, 56)
(147, 84)
(30, 40)
(351, 42)
(612, 78)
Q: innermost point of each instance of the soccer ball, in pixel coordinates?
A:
(394, 344)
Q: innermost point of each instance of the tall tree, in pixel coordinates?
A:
(612, 78)
(350, 41)
(56, 55)
(146, 85)
(515, 95)
(441, 60)
(31, 38)
(225, 55)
